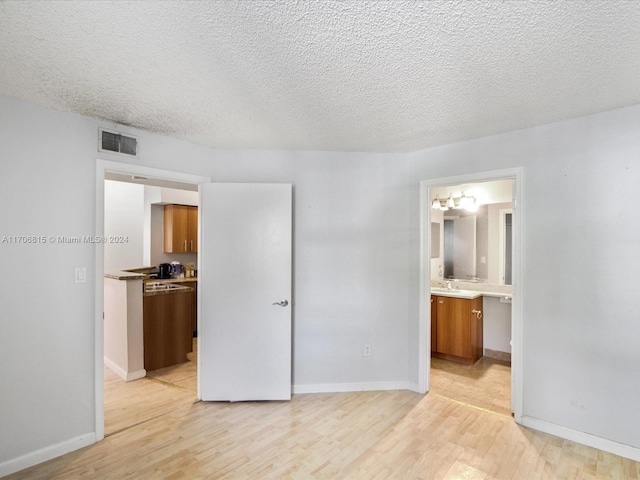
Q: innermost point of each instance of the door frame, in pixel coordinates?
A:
(517, 310)
(103, 166)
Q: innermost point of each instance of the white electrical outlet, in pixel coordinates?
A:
(366, 351)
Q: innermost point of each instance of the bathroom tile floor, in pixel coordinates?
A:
(485, 385)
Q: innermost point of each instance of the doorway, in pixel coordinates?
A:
(428, 188)
(104, 168)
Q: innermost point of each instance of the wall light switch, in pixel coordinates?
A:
(81, 275)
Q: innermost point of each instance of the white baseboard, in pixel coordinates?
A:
(44, 454)
(587, 439)
(353, 387)
(136, 375)
(122, 373)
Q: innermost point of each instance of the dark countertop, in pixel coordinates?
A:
(122, 275)
(164, 288)
(171, 280)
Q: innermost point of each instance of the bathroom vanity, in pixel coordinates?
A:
(456, 327)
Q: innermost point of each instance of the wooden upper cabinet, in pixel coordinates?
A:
(192, 229)
(180, 229)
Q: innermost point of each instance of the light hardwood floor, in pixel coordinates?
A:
(360, 435)
(485, 385)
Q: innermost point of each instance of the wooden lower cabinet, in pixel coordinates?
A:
(457, 330)
(166, 329)
(194, 307)
(434, 325)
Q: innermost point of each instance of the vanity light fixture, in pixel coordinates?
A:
(450, 203)
(464, 201)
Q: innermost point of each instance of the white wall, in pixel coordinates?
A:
(356, 265)
(47, 336)
(352, 270)
(581, 333)
(123, 219)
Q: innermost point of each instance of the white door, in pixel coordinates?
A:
(244, 288)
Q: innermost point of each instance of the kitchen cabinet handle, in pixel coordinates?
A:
(282, 303)
(478, 313)
(440, 301)
(185, 245)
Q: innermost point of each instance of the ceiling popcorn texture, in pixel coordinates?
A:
(380, 76)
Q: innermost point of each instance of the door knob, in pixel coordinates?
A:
(282, 303)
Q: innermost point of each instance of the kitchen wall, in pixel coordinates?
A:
(123, 219)
(356, 267)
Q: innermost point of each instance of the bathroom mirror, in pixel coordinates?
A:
(484, 253)
(460, 245)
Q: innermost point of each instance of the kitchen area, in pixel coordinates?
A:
(150, 285)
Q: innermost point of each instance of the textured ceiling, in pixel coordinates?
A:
(323, 75)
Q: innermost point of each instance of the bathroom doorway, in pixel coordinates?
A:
(494, 381)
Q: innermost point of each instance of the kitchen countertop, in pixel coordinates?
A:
(164, 288)
(123, 275)
(171, 280)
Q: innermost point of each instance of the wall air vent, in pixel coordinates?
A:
(118, 143)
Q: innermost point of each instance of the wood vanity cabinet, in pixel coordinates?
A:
(434, 325)
(458, 329)
(180, 229)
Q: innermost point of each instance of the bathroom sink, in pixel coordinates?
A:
(454, 292)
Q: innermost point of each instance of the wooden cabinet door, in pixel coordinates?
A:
(176, 225)
(434, 323)
(194, 309)
(192, 229)
(454, 326)
(180, 229)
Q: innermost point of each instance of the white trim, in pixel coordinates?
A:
(517, 318)
(626, 451)
(353, 387)
(127, 377)
(103, 166)
(46, 453)
(424, 321)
